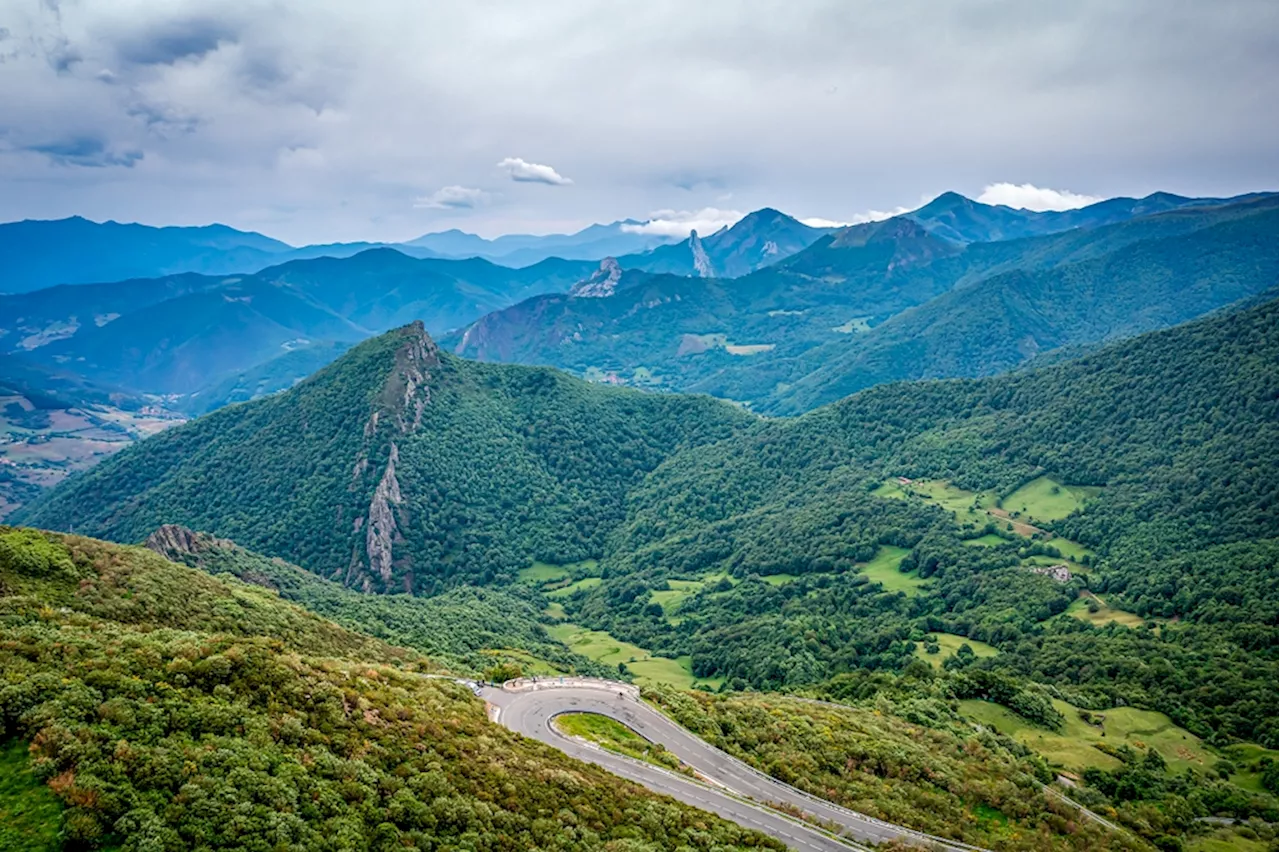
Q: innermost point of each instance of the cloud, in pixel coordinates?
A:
(857, 218)
(525, 172)
(454, 198)
(85, 151)
(173, 40)
(1030, 197)
(678, 223)
(845, 108)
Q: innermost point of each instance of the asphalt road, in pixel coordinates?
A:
(730, 780)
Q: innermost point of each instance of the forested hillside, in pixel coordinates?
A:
(401, 468)
(469, 629)
(1152, 465)
(900, 299)
(167, 709)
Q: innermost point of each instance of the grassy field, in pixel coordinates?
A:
(541, 573)
(973, 511)
(680, 591)
(1073, 748)
(577, 585)
(1105, 614)
(949, 643)
(1227, 839)
(883, 569)
(1243, 755)
(30, 815)
(644, 667)
(616, 737)
(1044, 499)
(529, 664)
(780, 579)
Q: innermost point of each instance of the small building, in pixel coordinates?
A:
(1058, 573)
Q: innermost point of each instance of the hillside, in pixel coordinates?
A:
(963, 220)
(168, 709)
(468, 629)
(1150, 459)
(191, 335)
(1009, 317)
(838, 316)
(407, 468)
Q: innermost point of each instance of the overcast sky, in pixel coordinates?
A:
(315, 120)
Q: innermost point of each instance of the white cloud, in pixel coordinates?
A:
(1030, 197)
(857, 218)
(678, 223)
(519, 170)
(453, 198)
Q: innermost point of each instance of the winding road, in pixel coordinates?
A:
(732, 789)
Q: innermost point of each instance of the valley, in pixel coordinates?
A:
(921, 601)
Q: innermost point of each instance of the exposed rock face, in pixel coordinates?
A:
(380, 531)
(405, 395)
(173, 540)
(701, 263)
(601, 283)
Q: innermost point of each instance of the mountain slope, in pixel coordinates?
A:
(37, 254)
(181, 334)
(594, 242)
(408, 468)
(183, 343)
(168, 709)
(1171, 438)
(1007, 318)
(963, 220)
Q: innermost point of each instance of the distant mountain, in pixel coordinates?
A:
(185, 334)
(1137, 276)
(36, 254)
(401, 468)
(265, 378)
(963, 220)
(756, 338)
(591, 243)
(757, 240)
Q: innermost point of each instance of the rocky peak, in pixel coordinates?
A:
(701, 263)
(600, 283)
(406, 392)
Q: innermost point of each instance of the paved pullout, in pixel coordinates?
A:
(529, 709)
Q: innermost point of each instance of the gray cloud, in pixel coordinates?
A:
(85, 151)
(169, 41)
(325, 120)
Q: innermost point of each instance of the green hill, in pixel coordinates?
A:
(1172, 437)
(400, 468)
(167, 709)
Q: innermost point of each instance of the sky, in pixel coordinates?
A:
(324, 121)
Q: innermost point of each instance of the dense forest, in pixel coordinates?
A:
(170, 710)
(1176, 429)
(468, 629)
(400, 468)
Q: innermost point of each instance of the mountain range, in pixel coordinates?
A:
(35, 254)
(895, 299)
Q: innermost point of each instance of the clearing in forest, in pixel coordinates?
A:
(645, 667)
(1075, 747)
